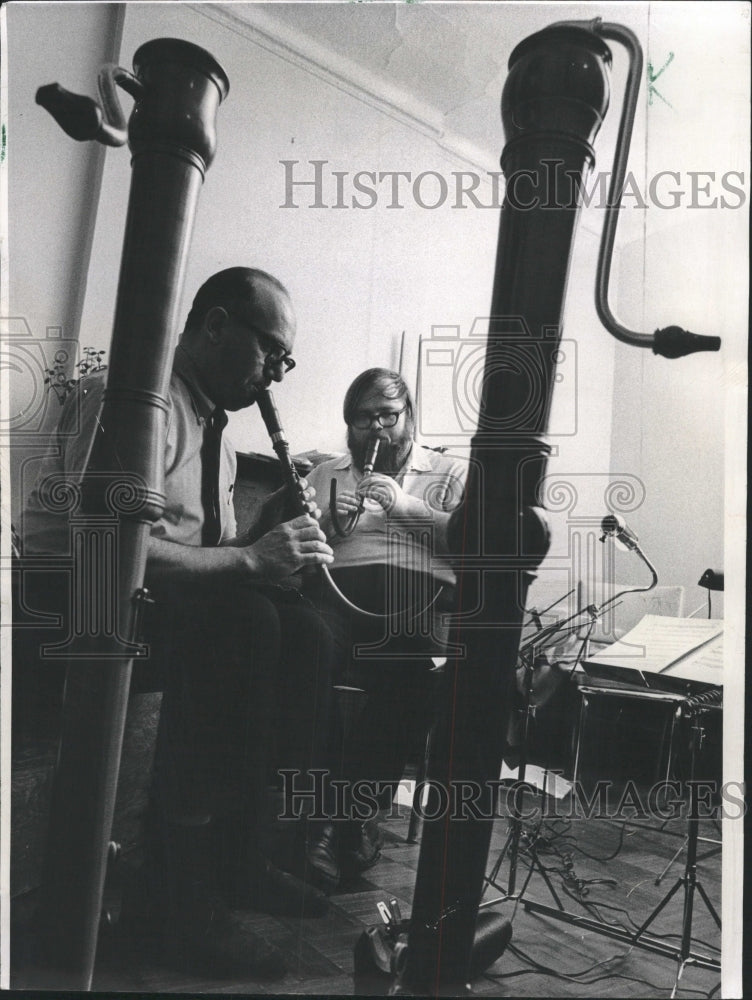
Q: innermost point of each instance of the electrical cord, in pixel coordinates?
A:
(607, 857)
(577, 889)
(579, 977)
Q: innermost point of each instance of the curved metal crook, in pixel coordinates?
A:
(376, 614)
(672, 341)
(113, 129)
(82, 118)
(346, 529)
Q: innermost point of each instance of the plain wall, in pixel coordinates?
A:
(53, 185)
(676, 423)
(358, 278)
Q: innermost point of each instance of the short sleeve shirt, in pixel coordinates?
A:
(46, 530)
(438, 480)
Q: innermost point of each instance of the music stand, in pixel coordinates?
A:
(696, 706)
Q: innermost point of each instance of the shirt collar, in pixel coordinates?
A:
(417, 461)
(184, 367)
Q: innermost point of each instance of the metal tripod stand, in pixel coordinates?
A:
(693, 710)
(529, 654)
(683, 955)
(512, 843)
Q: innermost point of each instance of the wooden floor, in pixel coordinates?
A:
(546, 958)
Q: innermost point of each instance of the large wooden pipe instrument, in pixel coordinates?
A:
(552, 106)
(177, 88)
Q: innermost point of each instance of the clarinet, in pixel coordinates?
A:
(270, 416)
(343, 530)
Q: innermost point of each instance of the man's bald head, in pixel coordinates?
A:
(239, 332)
(237, 289)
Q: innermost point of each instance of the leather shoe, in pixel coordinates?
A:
(221, 941)
(358, 852)
(342, 849)
(263, 887)
(197, 930)
(322, 856)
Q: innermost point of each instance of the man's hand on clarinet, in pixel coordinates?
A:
(308, 498)
(348, 503)
(277, 508)
(390, 496)
(287, 548)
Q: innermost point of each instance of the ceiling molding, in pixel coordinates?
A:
(251, 22)
(348, 76)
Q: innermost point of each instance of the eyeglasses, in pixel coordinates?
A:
(268, 346)
(362, 420)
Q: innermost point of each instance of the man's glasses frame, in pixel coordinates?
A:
(268, 346)
(362, 420)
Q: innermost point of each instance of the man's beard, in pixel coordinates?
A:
(391, 454)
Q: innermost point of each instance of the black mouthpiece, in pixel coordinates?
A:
(673, 342)
(80, 117)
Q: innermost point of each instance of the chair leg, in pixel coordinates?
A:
(351, 702)
(415, 816)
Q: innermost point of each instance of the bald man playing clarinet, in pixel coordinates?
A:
(245, 663)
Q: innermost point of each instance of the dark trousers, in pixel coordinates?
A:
(396, 673)
(247, 679)
(248, 688)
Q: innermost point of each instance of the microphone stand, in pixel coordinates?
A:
(693, 708)
(529, 652)
(634, 546)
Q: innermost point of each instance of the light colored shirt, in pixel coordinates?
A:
(46, 530)
(438, 480)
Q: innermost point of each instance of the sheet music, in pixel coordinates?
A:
(704, 665)
(540, 778)
(657, 642)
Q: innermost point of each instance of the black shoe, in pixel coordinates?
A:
(221, 942)
(197, 930)
(359, 851)
(263, 887)
(322, 856)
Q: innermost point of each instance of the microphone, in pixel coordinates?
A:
(613, 526)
